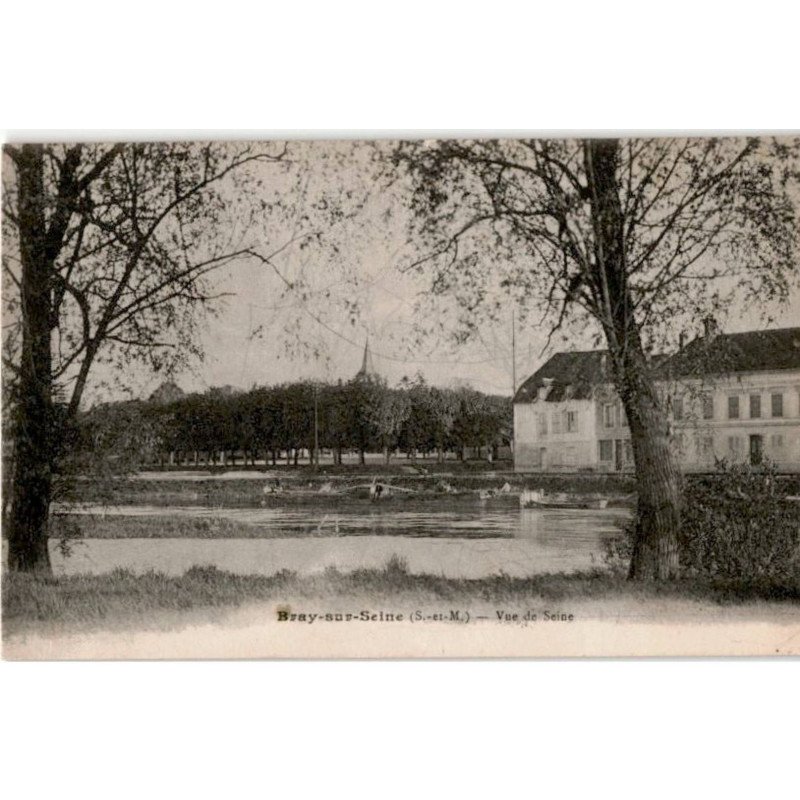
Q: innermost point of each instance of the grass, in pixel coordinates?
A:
(73, 528)
(122, 597)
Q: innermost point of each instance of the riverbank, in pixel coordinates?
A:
(292, 487)
(329, 486)
(122, 599)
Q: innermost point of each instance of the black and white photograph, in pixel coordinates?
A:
(450, 396)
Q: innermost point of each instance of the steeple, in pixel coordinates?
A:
(367, 370)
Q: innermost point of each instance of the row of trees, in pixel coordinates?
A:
(361, 415)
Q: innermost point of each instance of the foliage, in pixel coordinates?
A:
(133, 235)
(359, 415)
(736, 524)
(720, 209)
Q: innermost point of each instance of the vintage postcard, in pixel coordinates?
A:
(491, 397)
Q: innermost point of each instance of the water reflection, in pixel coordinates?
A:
(456, 542)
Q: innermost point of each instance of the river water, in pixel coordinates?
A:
(472, 541)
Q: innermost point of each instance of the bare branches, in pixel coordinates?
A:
(688, 208)
(131, 233)
(450, 245)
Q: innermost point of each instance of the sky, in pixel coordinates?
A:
(351, 288)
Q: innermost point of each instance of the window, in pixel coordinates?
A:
(776, 442)
(777, 405)
(622, 419)
(734, 444)
(541, 419)
(608, 415)
(572, 421)
(677, 408)
(606, 450)
(707, 401)
(755, 406)
(628, 452)
(733, 407)
(571, 456)
(558, 425)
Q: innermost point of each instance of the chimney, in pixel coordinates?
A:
(710, 328)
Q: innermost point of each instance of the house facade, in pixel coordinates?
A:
(732, 396)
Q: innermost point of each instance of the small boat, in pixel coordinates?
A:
(537, 499)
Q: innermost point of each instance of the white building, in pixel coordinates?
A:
(733, 396)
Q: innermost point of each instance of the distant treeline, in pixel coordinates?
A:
(270, 423)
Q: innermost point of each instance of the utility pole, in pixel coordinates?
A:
(316, 425)
(513, 371)
(513, 354)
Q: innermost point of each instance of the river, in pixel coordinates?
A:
(472, 541)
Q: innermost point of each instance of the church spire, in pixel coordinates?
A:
(367, 367)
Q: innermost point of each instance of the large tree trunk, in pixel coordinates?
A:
(35, 433)
(655, 553)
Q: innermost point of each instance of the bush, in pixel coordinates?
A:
(738, 523)
(735, 524)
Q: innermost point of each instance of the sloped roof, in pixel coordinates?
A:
(580, 371)
(577, 373)
(752, 351)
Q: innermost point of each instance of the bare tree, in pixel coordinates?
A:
(634, 236)
(106, 251)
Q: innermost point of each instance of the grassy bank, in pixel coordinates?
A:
(74, 528)
(89, 602)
